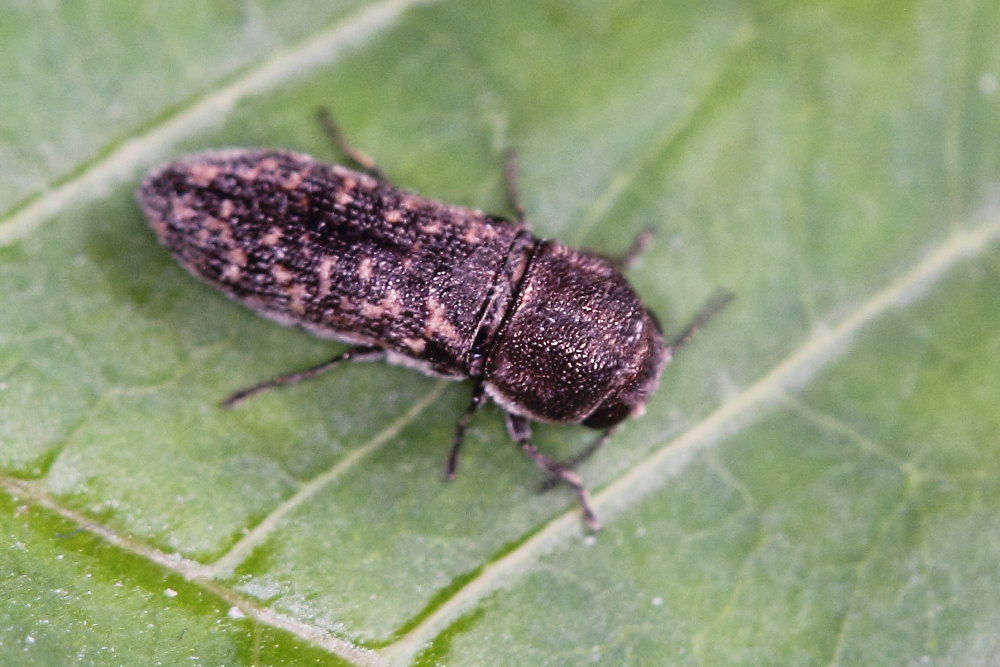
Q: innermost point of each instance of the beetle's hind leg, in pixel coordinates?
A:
(339, 139)
(463, 423)
(520, 431)
(359, 353)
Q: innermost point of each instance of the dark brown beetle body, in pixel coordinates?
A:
(551, 333)
(556, 334)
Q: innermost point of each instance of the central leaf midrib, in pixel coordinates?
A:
(817, 352)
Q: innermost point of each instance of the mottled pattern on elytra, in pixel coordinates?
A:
(553, 333)
(338, 252)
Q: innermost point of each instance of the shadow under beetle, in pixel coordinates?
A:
(550, 333)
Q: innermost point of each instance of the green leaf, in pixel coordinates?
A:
(816, 482)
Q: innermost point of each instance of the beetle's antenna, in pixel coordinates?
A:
(510, 179)
(639, 245)
(718, 301)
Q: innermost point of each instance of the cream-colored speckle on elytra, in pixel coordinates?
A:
(350, 182)
(432, 226)
(273, 236)
(254, 172)
(297, 294)
(365, 269)
(223, 230)
(232, 273)
(325, 275)
(159, 225)
(183, 211)
(371, 311)
(292, 180)
(343, 198)
(282, 274)
(226, 208)
(416, 345)
(478, 233)
(202, 174)
(393, 303)
(394, 216)
(438, 324)
(237, 257)
(390, 305)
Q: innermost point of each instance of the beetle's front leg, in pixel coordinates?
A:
(520, 431)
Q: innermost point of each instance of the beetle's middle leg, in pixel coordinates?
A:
(463, 423)
(359, 353)
(520, 431)
(339, 139)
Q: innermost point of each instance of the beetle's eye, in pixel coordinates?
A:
(607, 415)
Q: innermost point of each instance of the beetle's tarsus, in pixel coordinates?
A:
(577, 459)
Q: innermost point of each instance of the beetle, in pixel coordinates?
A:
(548, 332)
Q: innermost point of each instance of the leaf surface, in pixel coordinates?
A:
(814, 483)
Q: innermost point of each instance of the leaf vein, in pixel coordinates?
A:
(818, 351)
(229, 561)
(121, 163)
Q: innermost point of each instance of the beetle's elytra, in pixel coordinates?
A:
(550, 333)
